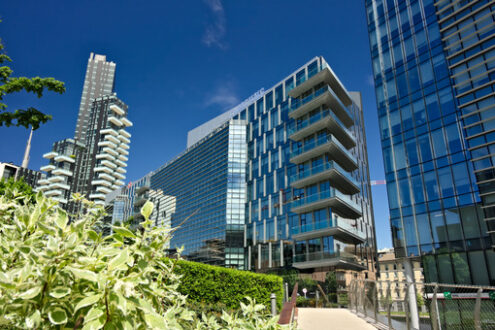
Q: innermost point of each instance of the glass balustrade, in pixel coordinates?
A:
(333, 222)
(322, 195)
(297, 103)
(319, 142)
(301, 124)
(322, 168)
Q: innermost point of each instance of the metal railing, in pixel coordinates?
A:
(413, 305)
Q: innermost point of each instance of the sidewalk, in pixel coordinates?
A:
(330, 319)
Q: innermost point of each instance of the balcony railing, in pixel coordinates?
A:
(322, 168)
(311, 73)
(334, 222)
(331, 258)
(301, 124)
(297, 103)
(319, 142)
(331, 197)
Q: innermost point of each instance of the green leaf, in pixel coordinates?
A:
(93, 235)
(124, 232)
(94, 313)
(84, 274)
(94, 324)
(61, 219)
(119, 260)
(34, 320)
(87, 301)
(59, 292)
(154, 321)
(147, 209)
(57, 316)
(30, 294)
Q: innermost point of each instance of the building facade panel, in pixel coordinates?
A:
(436, 205)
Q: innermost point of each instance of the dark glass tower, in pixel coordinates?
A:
(432, 107)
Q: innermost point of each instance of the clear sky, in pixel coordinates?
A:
(181, 63)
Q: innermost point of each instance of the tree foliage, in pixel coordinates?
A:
(17, 189)
(36, 85)
(60, 274)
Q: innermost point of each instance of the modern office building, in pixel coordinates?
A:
(9, 170)
(99, 80)
(279, 181)
(93, 164)
(432, 65)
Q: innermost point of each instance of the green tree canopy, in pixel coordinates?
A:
(36, 85)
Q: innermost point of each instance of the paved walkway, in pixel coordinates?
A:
(330, 319)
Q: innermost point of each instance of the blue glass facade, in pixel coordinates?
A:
(435, 206)
(284, 182)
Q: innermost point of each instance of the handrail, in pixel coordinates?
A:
(288, 310)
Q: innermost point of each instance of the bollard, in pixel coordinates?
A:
(286, 293)
(273, 298)
(317, 298)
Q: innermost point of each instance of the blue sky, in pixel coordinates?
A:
(181, 63)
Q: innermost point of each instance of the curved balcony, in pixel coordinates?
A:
(123, 158)
(322, 120)
(121, 170)
(118, 175)
(64, 158)
(61, 171)
(103, 169)
(335, 226)
(108, 164)
(321, 74)
(102, 182)
(339, 178)
(107, 143)
(105, 156)
(106, 176)
(50, 193)
(125, 133)
(43, 182)
(50, 155)
(47, 168)
(122, 151)
(115, 121)
(56, 178)
(103, 189)
(109, 131)
(126, 122)
(118, 110)
(324, 95)
(97, 196)
(112, 138)
(325, 259)
(124, 139)
(323, 145)
(111, 151)
(59, 185)
(333, 198)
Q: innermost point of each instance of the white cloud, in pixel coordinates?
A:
(223, 96)
(215, 32)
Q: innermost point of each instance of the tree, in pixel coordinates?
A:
(331, 282)
(36, 85)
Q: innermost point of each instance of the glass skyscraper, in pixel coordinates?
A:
(432, 64)
(279, 181)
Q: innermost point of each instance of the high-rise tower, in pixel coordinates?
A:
(93, 163)
(433, 68)
(98, 81)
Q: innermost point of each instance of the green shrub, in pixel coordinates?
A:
(218, 285)
(57, 275)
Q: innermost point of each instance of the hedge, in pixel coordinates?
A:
(214, 285)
